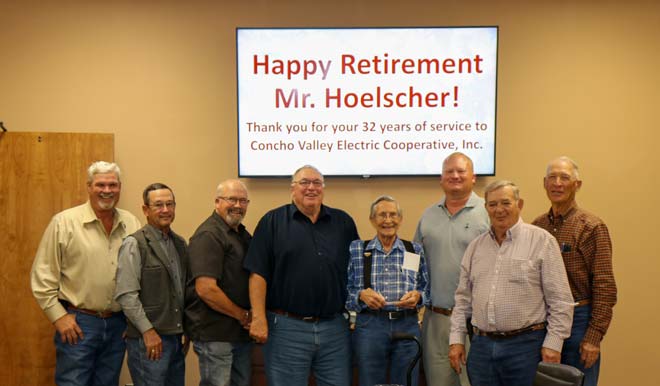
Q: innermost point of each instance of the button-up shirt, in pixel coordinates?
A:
(76, 261)
(514, 285)
(444, 237)
(388, 277)
(587, 251)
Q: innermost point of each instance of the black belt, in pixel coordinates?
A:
(309, 319)
(391, 315)
(509, 334)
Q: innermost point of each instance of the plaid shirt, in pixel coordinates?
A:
(587, 251)
(387, 276)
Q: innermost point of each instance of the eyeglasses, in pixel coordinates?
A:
(384, 216)
(162, 205)
(234, 200)
(307, 183)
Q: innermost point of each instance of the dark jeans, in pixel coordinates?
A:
(505, 362)
(374, 349)
(169, 370)
(97, 358)
(570, 353)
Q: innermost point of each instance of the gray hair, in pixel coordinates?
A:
(293, 176)
(219, 191)
(372, 211)
(102, 167)
(499, 184)
(568, 160)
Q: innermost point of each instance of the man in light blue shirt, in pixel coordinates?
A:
(445, 230)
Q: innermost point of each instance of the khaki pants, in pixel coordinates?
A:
(435, 336)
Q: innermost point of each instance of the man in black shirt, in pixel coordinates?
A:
(298, 264)
(218, 317)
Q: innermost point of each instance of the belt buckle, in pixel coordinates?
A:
(309, 319)
(393, 315)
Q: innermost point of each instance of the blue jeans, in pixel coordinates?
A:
(97, 358)
(224, 363)
(570, 353)
(505, 362)
(374, 349)
(295, 348)
(169, 370)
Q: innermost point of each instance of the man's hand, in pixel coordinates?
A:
(457, 357)
(259, 330)
(372, 299)
(186, 345)
(153, 344)
(68, 329)
(550, 355)
(246, 319)
(410, 299)
(589, 354)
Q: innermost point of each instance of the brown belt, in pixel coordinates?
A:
(582, 302)
(309, 319)
(98, 314)
(440, 310)
(509, 334)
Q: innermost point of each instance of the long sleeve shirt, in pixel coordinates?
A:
(388, 277)
(76, 261)
(587, 251)
(514, 285)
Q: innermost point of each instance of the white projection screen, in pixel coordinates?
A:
(365, 101)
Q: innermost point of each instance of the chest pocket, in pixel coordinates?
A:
(522, 271)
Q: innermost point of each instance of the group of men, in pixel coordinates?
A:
(523, 294)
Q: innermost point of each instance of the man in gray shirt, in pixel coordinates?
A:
(151, 274)
(445, 230)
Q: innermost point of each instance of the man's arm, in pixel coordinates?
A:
(259, 325)
(462, 309)
(208, 290)
(127, 294)
(558, 298)
(44, 280)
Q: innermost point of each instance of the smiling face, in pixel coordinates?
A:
(386, 220)
(160, 210)
(503, 209)
(232, 203)
(560, 183)
(307, 190)
(457, 177)
(104, 191)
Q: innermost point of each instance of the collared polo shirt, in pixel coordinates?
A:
(304, 264)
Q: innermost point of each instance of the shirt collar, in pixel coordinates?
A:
(296, 212)
(511, 233)
(158, 233)
(563, 216)
(472, 201)
(222, 224)
(375, 244)
(89, 216)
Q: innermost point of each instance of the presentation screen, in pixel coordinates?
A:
(365, 101)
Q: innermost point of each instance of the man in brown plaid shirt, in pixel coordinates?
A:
(587, 251)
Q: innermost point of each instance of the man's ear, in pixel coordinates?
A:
(578, 185)
(521, 203)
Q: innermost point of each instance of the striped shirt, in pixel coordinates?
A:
(387, 275)
(514, 285)
(587, 251)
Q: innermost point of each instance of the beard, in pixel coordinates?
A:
(104, 205)
(234, 217)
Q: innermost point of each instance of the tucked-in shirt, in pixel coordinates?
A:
(514, 285)
(304, 263)
(76, 261)
(587, 251)
(128, 284)
(445, 237)
(388, 277)
(218, 251)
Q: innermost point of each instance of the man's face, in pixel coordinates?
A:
(503, 209)
(232, 205)
(307, 190)
(386, 220)
(457, 176)
(161, 208)
(560, 184)
(104, 191)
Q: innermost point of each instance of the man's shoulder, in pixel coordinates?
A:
(588, 217)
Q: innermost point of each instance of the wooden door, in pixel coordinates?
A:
(40, 175)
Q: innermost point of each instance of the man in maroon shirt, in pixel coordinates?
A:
(587, 251)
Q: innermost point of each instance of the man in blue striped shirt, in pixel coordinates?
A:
(387, 284)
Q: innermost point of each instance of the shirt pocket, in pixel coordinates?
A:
(517, 270)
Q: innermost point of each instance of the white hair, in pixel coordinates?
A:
(102, 167)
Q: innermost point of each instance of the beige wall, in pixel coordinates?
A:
(576, 79)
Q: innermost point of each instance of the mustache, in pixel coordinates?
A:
(106, 195)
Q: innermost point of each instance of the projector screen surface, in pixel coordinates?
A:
(365, 101)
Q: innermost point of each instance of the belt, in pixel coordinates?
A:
(391, 315)
(582, 302)
(309, 319)
(98, 314)
(440, 310)
(509, 334)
